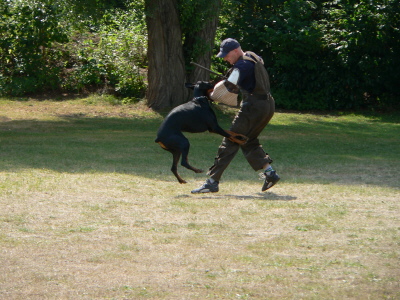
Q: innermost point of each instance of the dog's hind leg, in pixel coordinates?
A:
(174, 169)
(185, 162)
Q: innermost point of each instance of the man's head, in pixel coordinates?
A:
(230, 50)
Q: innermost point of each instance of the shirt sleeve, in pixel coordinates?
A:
(247, 80)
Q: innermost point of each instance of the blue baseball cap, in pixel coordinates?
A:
(227, 46)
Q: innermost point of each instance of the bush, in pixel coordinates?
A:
(42, 49)
(28, 29)
(112, 60)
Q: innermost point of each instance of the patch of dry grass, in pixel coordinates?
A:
(90, 210)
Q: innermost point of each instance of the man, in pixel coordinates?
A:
(248, 75)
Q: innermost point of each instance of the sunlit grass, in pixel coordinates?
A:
(90, 209)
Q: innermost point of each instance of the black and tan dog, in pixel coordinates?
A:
(194, 116)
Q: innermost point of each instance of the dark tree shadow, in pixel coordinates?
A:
(82, 144)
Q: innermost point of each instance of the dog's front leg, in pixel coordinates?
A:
(237, 137)
(230, 135)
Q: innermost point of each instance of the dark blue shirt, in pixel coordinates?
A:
(247, 79)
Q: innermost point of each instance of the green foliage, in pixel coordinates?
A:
(192, 16)
(73, 46)
(28, 29)
(322, 55)
(122, 52)
(88, 14)
(366, 44)
(112, 59)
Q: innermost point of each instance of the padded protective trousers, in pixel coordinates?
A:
(251, 119)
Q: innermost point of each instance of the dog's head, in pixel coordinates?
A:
(200, 87)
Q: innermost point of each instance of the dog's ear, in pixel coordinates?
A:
(189, 85)
(204, 85)
(214, 82)
(211, 84)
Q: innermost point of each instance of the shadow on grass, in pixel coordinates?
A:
(79, 144)
(258, 196)
(317, 151)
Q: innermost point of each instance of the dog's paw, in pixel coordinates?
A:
(237, 137)
(241, 138)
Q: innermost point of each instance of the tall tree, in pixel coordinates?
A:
(199, 21)
(178, 31)
(166, 68)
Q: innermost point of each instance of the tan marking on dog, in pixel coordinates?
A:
(163, 146)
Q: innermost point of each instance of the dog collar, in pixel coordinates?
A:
(196, 98)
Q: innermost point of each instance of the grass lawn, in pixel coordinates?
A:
(90, 210)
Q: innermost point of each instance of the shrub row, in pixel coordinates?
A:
(41, 50)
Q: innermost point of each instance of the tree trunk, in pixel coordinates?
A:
(166, 69)
(206, 36)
